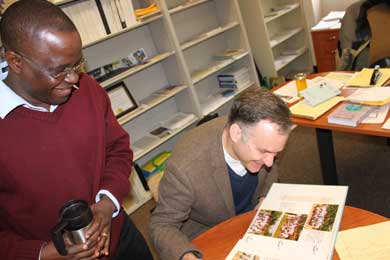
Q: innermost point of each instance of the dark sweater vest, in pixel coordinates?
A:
(47, 159)
(243, 189)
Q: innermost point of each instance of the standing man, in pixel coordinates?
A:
(59, 141)
(218, 170)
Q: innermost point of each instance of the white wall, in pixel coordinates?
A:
(317, 10)
(333, 5)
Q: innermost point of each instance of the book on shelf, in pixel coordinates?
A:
(85, 16)
(349, 114)
(178, 120)
(294, 222)
(228, 54)
(234, 78)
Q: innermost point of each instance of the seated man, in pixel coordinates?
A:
(218, 170)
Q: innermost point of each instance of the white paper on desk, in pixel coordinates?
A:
(369, 242)
(342, 76)
(289, 91)
(377, 116)
(334, 15)
(386, 125)
(322, 25)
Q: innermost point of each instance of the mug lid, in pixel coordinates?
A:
(76, 213)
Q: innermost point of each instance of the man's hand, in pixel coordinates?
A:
(75, 252)
(190, 256)
(101, 224)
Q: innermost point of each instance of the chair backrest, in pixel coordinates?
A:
(379, 19)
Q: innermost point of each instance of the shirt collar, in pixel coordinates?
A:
(10, 100)
(234, 164)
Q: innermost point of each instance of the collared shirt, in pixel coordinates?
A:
(235, 165)
(10, 100)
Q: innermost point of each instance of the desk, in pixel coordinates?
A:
(325, 139)
(217, 242)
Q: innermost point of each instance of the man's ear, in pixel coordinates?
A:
(235, 132)
(14, 61)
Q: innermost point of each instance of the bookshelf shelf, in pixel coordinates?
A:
(205, 36)
(187, 5)
(287, 9)
(159, 141)
(202, 74)
(156, 59)
(282, 22)
(282, 61)
(218, 100)
(132, 27)
(158, 99)
(284, 36)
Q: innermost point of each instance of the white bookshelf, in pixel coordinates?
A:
(217, 66)
(180, 41)
(205, 36)
(156, 59)
(275, 26)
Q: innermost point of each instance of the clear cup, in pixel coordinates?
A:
(300, 81)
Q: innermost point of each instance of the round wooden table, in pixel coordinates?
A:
(217, 242)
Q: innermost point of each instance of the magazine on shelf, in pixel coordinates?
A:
(295, 221)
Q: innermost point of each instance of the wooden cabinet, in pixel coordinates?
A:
(325, 48)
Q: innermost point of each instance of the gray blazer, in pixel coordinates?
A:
(195, 193)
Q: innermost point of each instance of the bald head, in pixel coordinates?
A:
(23, 21)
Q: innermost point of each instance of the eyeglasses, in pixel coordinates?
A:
(77, 68)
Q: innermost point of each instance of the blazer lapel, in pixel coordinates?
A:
(221, 176)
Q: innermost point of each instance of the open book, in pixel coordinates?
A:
(294, 222)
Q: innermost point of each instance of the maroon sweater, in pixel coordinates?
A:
(47, 159)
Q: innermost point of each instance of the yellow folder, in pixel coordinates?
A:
(306, 111)
(362, 78)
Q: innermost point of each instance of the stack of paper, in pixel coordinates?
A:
(375, 96)
(304, 110)
(369, 242)
(234, 78)
(294, 222)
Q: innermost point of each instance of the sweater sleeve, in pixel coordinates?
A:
(119, 156)
(172, 210)
(14, 247)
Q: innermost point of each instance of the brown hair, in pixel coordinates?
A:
(256, 104)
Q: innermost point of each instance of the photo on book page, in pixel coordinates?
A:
(290, 226)
(322, 217)
(265, 222)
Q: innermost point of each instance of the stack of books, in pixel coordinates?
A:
(234, 78)
(349, 114)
